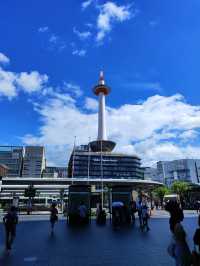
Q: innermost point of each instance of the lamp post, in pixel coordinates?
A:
(73, 160)
(88, 161)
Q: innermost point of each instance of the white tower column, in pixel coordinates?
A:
(102, 118)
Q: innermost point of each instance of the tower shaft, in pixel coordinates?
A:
(102, 144)
(102, 135)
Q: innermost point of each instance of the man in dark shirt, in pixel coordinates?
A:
(10, 221)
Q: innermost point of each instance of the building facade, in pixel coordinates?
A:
(34, 161)
(55, 172)
(84, 163)
(151, 173)
(3, 170)
(12, 157)
(184, 170)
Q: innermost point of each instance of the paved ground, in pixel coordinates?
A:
(92, 245)
(44, 216)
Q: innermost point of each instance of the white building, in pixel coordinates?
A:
(34, 161)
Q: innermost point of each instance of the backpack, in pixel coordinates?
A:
(10, 220)
(54, 214)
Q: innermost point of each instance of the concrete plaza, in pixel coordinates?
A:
(91, 245)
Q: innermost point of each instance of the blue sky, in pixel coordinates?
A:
(50, 57)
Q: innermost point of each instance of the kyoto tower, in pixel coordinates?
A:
(102, 143)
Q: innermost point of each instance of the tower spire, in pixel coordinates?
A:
(101, 78)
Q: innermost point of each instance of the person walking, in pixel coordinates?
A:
(100, 215)
(133, 210)
(10, 221)
(29, 206)
(176, 214)
(53, 216)
(139, 210)
(83, 213)
(145, 215)
(178, 248)
(196, 240)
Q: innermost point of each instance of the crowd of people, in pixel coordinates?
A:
(123, 214)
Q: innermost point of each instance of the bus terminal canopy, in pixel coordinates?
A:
(46, 183)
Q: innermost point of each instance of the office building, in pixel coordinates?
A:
(55, 172)
(185, 170)
(12, 157)
(34, 161)
(90, 164)
(151, 173)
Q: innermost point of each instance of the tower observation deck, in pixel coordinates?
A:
(102, 143)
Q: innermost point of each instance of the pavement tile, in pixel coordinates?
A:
(92, 245)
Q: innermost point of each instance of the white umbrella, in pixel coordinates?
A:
(117, 204)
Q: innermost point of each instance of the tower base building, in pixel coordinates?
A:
(85, 163)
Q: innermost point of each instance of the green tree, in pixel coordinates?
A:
(160, 192)
(30, 192)
(181, 188)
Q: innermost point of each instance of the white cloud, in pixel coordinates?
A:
(31, 82)
(110, 13)
(189, 135)
(7, 84)
(73, 89)
(82, 35)
(151, 129)
(153, 23)
(43, 29)
(81, 52)
(86, 3)
(53, 39)
(155, 86)
(89, 25)
(11, 83)
(91, 104)
(4, 59)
